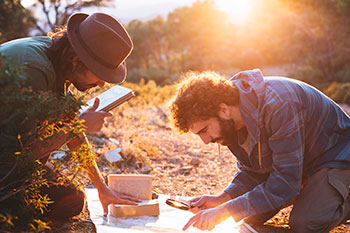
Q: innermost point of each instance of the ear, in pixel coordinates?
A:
(224, 111)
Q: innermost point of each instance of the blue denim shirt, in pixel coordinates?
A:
(294, 130)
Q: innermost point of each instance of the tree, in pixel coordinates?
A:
(57, 12)
(200, 35)
(15, 20)
(150, 43)
(325, 25)
(151, 52)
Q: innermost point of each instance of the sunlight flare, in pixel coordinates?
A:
(27, 3)
(238, 10)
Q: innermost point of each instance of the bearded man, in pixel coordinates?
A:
(291, 141)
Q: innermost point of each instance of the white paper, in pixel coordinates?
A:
(170, 220)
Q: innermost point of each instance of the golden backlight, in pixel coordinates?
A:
(238, 10)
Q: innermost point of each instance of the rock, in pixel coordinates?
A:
(147, 170)
(113, 141)
(117, 171)
(186, 170)
(113, 155)
(99, 141)
(195, 162)
(175, 161)
(58, 155)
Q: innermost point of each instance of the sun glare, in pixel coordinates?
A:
(27, 3)
(238, 10)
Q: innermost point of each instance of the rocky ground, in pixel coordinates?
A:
(179, 164)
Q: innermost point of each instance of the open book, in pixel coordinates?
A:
(111, 98)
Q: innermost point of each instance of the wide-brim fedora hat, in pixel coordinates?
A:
(101, 43)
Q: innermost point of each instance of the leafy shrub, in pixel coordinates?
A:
(158, 75)
(25, 117)
(339, 92)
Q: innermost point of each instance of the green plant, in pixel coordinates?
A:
(339, 92)
(27, 116)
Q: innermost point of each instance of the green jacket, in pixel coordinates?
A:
(30, 52)
(39, 74)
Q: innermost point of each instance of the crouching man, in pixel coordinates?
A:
(291, 141)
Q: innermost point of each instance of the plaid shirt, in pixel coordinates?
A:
(294, 130)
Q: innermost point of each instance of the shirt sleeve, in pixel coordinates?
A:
(243, 182)
(284, 182)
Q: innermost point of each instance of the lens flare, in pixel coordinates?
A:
(238, 10)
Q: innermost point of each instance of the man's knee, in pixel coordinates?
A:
(300, 224)
(308, 224)
(323, 203)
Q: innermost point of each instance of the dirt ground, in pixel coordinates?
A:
(179, 164)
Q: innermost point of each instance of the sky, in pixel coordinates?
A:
(127, 10)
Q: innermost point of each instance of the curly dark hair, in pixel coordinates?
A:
(62, 55)
(198, 98)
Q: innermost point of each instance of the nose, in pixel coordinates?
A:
(205, 138)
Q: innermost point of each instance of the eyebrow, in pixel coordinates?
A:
(204, 128)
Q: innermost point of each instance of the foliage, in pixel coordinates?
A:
(15, 20)
(325, 39)
(191, 38)
(154, 73)
(339, 92)
(57, 12)
(200, 38)
(26, 117)
(146, 110)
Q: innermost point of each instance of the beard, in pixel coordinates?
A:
(228, 132)
(83, 87)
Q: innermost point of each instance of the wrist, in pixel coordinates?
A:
(225, 210)
(101, 186)
(223, 197)
(77, 141)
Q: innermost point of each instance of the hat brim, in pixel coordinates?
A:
(110, 75)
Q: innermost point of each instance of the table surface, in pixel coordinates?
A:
(170, 220)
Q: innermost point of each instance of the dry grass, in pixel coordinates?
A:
(179, 164)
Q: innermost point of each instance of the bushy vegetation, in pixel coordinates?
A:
(200, 37)
(148, 111)
(339, 92)
(26, 117)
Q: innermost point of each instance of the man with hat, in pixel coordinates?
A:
(88, 52)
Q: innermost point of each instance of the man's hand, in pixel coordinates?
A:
(109, 196)
(205, 202)
(208, 219)
(94, 120)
